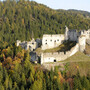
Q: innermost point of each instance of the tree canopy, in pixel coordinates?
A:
(19, 19)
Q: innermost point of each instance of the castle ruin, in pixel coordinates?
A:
(28, 45)
(52, 41)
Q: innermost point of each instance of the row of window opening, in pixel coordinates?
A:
(54, 41)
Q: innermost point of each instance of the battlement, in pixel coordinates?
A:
(55, 53)
(58, 56)
(52, 35)
(60, 53)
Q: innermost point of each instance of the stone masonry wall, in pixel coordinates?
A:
(58, 56)
(51, 41)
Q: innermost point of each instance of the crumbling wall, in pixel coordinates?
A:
(28, 45)
(82, 43)
(18, 42)
(74, 49)
(58, 56)
(52, 41)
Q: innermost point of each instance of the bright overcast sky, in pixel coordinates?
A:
(67, 4)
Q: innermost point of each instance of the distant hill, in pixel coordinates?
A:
(85, 13)
(24, 19)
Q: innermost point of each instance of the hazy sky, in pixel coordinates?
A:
(67, 4)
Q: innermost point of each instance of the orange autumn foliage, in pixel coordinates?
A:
(61, 78)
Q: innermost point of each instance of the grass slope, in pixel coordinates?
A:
(82, 67)
(78, 62)
(78, 57)
(61, 48)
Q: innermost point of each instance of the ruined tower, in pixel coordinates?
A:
(82, 43)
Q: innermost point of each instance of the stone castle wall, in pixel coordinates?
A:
(28, 45)
(52, 41)
(82, 43)
(58, 56)
(86, 33)
(72, 35)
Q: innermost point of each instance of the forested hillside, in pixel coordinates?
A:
(84, 13)
(24, 19)
(18, 73)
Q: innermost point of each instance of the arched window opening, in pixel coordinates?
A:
(54, 60)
